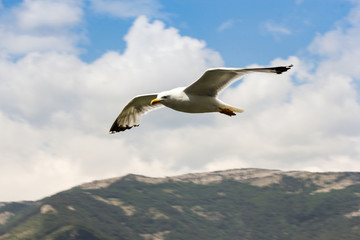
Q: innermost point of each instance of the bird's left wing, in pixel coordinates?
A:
(131, 114)
(216, 79)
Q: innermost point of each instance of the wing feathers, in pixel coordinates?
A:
(130, 116)
(216, 79)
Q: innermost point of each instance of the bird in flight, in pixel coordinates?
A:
(198, 97)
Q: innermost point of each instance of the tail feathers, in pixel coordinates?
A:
(229, 110)
(234, 109)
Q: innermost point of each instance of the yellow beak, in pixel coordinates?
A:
(154, 101)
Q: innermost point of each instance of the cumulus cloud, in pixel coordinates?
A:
(41, 14)
(62, 109)
(40, 26)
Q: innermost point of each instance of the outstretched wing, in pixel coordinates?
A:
(131, 114)
(216, 79)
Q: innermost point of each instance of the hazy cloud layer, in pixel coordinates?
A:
(127, 8)
(226, 25)
(276, 30)
(55, 109)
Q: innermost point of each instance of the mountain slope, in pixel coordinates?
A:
(233, 204)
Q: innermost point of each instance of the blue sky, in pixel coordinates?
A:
(68, 67)
(244, 32)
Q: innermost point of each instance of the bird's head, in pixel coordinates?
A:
(161, 97)
(168, 97)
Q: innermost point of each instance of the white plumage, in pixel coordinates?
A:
(199, 97)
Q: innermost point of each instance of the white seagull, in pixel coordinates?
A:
(198, 97)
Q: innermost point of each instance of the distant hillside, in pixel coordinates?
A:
(234, 204)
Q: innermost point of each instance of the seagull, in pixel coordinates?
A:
(198, 97)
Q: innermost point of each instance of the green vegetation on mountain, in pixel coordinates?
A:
(235, 204)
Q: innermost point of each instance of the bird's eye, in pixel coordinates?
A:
(165, 97)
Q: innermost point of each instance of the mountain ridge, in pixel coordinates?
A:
(256, 176)
(230, 204)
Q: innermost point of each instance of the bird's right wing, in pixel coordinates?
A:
(131, 114)
(216, 79)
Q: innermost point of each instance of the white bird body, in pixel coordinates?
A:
(180, 101)
(198, 97)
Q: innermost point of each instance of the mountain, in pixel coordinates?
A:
(233, 204)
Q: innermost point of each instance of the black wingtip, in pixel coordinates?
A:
(280, 70)
(116, 128)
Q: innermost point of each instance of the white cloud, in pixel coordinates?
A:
(37, 14)
(226, 25)
(40, 26)
(57, 110)
(128, 8)
(276, 29)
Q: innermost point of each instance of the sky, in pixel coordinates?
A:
(67, 68)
